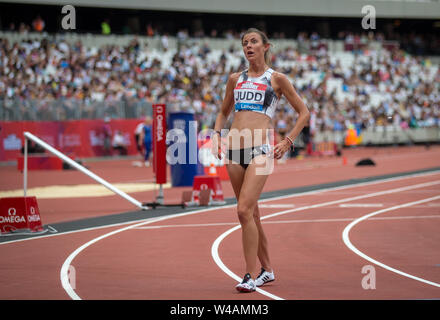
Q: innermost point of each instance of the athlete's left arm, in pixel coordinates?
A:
(286, 88)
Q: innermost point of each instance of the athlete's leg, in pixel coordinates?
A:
(236, 175)
(263, 250)
(250, 191)
(147, 145)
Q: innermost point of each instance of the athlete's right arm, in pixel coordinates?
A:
(228, 102)
(225, 110)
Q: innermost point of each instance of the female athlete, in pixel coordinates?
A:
(254, 94)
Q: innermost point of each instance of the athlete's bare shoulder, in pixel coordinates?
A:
(232, 79)
(234, 76)
(280, 81)
(278, 76)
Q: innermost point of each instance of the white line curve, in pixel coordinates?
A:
(346, 238)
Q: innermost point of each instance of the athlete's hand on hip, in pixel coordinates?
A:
(281, 148)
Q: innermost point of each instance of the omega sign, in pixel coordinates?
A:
(33, 216)
(159, 119)
(12, 217)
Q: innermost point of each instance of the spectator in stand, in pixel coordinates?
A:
(52, 79)
(105, 27)
(107, 136)
(146, 139)
(38, 24)
(119, 144)
(150, 30)
(137, 137)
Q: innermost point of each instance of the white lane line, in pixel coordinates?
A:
(65, 267)
(281, 205)
(189, 225)
(345, 237)
(192, 225)
(313, 192)
(405, 217)
(361, 205)
(221, 265)
(216, 244)
(351, 219)
(76, 231)
(64, 272)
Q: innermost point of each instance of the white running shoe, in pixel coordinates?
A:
(264, 278)
(247, 285)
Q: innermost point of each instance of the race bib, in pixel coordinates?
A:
(249, 96)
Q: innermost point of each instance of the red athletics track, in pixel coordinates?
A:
(309, 171)
(172, 258)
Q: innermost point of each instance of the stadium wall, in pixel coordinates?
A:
(77, 138)
(86, 138)
(334, 8)
(384, 136)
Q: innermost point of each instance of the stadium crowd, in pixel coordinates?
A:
(373, 88)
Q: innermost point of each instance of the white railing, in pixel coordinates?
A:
(74, 164)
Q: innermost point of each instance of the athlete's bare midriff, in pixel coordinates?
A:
(249, 129)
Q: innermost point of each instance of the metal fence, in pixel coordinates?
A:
(72, 109)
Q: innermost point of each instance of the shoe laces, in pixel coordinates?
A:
(246, 278)
(261, 273)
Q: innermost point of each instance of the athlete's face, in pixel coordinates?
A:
(253, 46)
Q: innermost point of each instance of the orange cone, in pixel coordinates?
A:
(344, 160)
(212, 170)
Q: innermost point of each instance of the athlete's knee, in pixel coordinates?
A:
(245, 213)
(256, 214)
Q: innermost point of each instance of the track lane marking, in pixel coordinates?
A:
(65, 267)
(346, 238)
(299, 194)
(360, 205)
(216, 244)
(219, 224)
